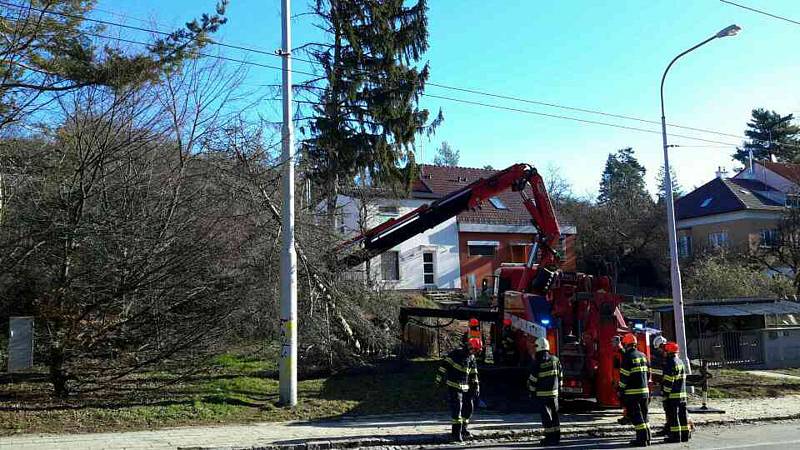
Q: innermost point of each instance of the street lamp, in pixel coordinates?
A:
(675, 274)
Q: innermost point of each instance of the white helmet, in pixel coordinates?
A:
(542, 344)
(659, 341)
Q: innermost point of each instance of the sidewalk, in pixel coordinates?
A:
(382, 430)
(782, 376)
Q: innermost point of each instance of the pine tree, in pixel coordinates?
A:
(677, 191)
(367, 114)
(446, 155)
(51, 52)
(770, 135)
(622, 182)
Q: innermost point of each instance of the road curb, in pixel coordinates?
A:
(443, 438)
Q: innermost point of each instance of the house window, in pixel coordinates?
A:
(482, 248)
(388, 210)
(497, 203)
(718, 240)
(792, 201)
(684, 246)
(390, 266)
(428, 269)
(768, 238)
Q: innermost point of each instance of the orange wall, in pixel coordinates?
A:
(484, 266)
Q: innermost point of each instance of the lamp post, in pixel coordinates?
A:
(675, 274)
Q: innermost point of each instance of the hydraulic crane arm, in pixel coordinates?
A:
(394, 231)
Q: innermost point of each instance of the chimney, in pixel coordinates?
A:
(750, 169)
(721, 173)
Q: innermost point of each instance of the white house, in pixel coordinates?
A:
(428, 260)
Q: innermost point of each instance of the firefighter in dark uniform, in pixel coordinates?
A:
(616, 342)
(509, 355)
(634, 390)
(459, 372)
(673, 385)
(543, 384)
(657, 372)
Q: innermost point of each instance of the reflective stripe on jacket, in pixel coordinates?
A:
(657, 366)
(673, 384)
(459, 370)
(546, 375)
(633, 374)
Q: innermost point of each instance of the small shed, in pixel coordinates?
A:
(740, 332)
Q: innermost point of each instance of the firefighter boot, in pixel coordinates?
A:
(465, 434)
(642, 439)
(455, 434)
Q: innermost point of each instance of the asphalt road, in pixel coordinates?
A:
(784, 436)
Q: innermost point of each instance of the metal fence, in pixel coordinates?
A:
(729, 348)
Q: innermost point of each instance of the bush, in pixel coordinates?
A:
(720, 277)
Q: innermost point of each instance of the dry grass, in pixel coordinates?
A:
(728, 383)
(239, 391)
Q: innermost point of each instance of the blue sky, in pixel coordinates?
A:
(598, 55)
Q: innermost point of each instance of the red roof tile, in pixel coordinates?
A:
(437, 181)
(789, 171)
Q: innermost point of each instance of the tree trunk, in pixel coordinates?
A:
(333, 194)
(58, 376)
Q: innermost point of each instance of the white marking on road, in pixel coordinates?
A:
(761, 444)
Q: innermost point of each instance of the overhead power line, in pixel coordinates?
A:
(574, 119)
(439, 85)
(487, 105)
(774, 16)
(443, 86)
(571, 108)
(137, 28)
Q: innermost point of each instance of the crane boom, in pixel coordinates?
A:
(395, 231)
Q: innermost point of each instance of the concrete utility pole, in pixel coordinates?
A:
(288, 367)
(675, 273)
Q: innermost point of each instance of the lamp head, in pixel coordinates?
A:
(729, 31)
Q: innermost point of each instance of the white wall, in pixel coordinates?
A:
(442, 240)
(768, 177)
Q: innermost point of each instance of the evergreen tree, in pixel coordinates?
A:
(677, 191)
(367, 114)
(446, 155)
(770, 135)
(622, 182)
(48, 52)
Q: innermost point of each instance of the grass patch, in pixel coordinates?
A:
(420, 301)
(238, 391)
(730, 383)
(243, 363)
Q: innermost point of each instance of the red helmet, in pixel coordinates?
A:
(475, 344)
(473, 322)
(629, 339)
(671, 347)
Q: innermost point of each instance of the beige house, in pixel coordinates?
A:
(739, 213)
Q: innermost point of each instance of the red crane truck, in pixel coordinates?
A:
(579, 314)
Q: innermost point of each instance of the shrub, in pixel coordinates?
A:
(719, 277)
